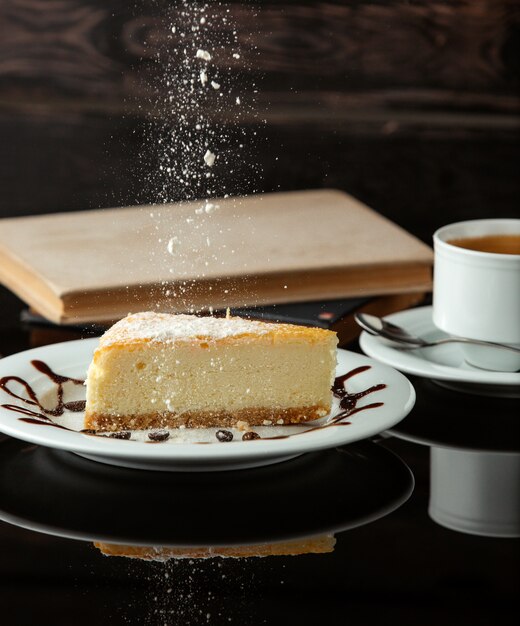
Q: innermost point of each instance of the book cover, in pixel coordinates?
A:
(263, 249)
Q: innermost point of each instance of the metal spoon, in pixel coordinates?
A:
(377, 326)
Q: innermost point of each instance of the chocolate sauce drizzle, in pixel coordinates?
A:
(348, 402)
(42, 416)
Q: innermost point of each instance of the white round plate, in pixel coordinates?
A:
(445, 363)
(183, 452)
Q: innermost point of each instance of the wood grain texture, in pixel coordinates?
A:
(425, 54)
(410, 106)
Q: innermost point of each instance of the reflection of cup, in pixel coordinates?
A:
(477, 294)
(476, 492)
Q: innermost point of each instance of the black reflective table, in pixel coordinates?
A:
(391, 564)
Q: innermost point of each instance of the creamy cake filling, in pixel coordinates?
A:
(146, 373)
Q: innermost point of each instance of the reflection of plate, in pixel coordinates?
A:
(377, 411)
(443, 363)
(62, 494)
(451, 419)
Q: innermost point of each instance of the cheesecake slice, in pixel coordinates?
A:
(155, 370)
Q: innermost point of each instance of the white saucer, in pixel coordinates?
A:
(182, 452)
(442, 363)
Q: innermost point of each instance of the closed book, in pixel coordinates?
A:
(236, 252)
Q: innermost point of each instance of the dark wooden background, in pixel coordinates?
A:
(412, 106)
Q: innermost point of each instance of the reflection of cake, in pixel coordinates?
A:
(157, 370)
(310, 545)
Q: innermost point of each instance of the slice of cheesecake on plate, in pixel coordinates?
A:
(155, 370)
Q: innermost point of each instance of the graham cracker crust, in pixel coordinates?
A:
(205, 419)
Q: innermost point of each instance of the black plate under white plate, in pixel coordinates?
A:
(62, 494)
(391, 398)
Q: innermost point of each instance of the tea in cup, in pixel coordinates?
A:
(476, 288)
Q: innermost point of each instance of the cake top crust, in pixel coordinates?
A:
(172, 328)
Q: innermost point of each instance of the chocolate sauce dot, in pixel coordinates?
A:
(76, 406)
(124, 434)
(88, 431)
(224, 435)
(159, 435)
(250, 435)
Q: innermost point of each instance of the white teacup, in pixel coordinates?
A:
(476, 294)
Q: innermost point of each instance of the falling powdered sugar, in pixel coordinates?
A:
(203, 54)
(173, 245)
(209, 158)
(199, 135)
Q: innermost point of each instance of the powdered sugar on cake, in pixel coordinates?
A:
(163, 327)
